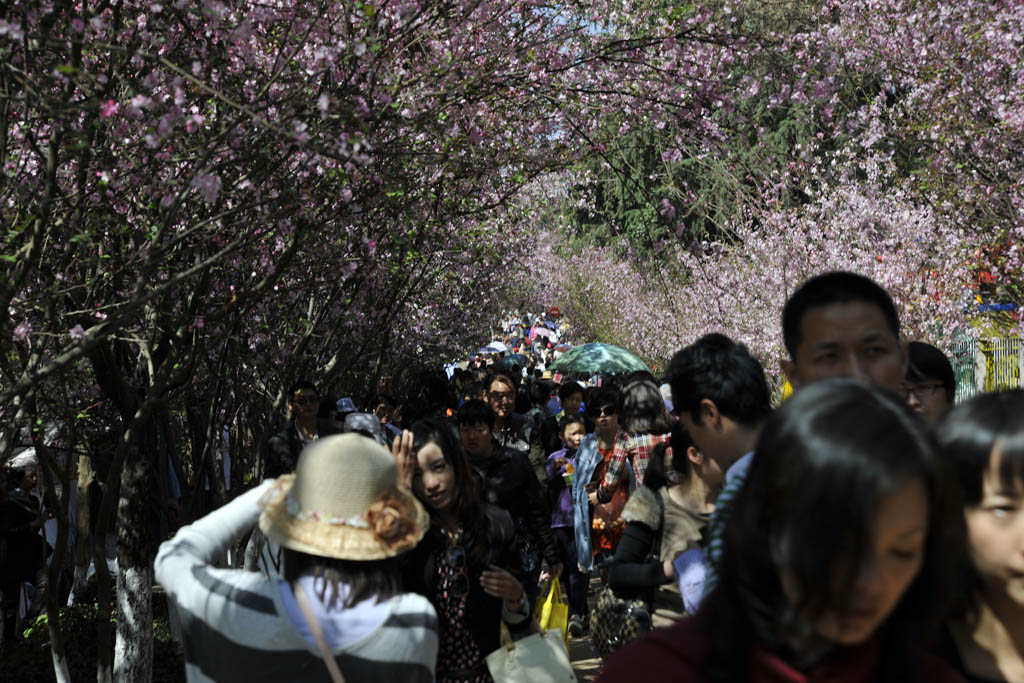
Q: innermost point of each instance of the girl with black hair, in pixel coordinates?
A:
(462, 564)
(984, 439)
(665, 519)
(838, 557)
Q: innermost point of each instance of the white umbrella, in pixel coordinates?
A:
(497, 346)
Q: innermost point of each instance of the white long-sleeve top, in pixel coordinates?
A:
(238, 625)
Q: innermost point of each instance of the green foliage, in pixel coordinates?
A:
(29, 659)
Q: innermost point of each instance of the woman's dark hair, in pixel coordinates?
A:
(470, 509)
(642, 409)
(974, 430)
(968, 438)
(567, 389)
(680, 441)
(377, 579)
(604, 396)
(824, 463)
(523, 400)
(541, 391)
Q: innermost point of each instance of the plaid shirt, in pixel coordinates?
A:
(637, 448)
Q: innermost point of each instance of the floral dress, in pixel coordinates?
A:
(459, 660)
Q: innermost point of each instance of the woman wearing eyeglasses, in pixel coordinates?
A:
(460, 565)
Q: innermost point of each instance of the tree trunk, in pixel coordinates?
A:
(60, 663)
(133, 647)
(52, 588)
(83, 524)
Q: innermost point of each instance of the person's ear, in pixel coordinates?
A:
(695, 456)
(788, 368)
(709, 413)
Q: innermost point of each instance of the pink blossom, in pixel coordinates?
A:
(108, 109)
(667, 209)
(22, 331)
(77, 332)
(208, 185)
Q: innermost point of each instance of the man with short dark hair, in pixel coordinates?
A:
(721, 396)
(841, 324)
(510, 483)
(512, 430)
(930, 385)
(837, 324)
(284, 447)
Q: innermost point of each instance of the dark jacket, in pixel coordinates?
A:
(284, 447)
(679, 652)
(637, 571)
(483, 612)
(510, 483)
(520, 433)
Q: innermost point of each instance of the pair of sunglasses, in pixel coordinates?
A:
(607, 411)
(455, 558)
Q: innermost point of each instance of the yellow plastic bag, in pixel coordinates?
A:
(552, 610)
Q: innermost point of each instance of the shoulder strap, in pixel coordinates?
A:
(656, 546)
(318, 634)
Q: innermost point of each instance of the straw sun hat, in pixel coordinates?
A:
(343, 501)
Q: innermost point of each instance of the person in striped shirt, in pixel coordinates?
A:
(342, 522)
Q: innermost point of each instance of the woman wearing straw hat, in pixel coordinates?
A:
(342, 521)
(461, 563)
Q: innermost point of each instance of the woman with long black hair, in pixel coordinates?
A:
(464, 564)
(984, 439)
(838, 559)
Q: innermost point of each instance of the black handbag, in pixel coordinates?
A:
(615, 621)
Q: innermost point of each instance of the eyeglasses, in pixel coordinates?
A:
(455, 558)
(920, 390)
(305, 401)
(502, 396)
(607, 411)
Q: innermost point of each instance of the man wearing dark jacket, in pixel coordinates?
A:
(284, 447)
(512, 430)
(510, 483)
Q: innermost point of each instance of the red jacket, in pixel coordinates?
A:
(677, 653)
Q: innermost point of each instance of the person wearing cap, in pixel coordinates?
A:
(305, 426)
(342, 521)
(366, 424)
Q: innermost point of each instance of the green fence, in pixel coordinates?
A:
(984, 365)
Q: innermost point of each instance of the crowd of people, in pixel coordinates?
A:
(866, 529)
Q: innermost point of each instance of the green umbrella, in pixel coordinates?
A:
(594, 358)
(516, 360)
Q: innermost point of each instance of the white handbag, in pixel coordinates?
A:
(537, 658)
